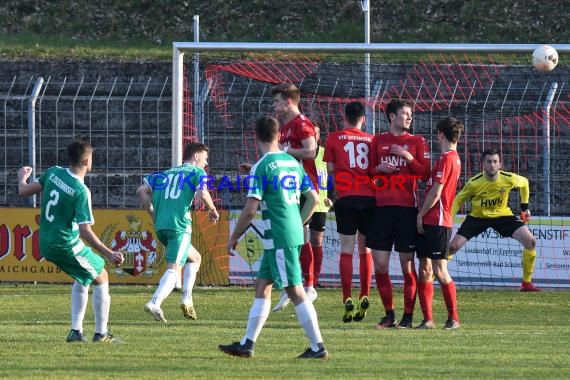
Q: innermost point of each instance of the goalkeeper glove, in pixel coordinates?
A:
(525, 216)
(525, 213)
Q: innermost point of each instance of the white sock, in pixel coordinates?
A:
(178, 283)
(190, 270)
(307, 316)
(165, 286)
(257, 316)
(79, 298)
(101, 306)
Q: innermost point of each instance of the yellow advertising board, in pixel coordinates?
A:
(128, 231)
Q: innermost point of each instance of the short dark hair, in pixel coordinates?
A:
(451, 128)
(77, 149)
(287, 91)
(353, 111)
(490, 152)
(193, 148)
(395, 105)
(266, 128)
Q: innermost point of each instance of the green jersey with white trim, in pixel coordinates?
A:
(278, 180)
(66, 203)
(172, 195)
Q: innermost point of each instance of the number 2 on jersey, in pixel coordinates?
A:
(357, 155)
(54, 198)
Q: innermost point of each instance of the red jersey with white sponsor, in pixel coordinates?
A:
(349, 151)
(446, 171)
(292, 134)
(400, 187)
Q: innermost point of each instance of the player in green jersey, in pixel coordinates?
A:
(66, 216)
(168, 196)
(277, 181)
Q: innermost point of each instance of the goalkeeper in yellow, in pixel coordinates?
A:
(488, 193)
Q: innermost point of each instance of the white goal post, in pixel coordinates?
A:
(493, 88)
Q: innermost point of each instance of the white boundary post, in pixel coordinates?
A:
(177, 104)
(369, 109)
(32, 130)
(197, 105)
(546, 147)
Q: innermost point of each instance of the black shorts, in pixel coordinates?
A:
(354, 213)
(504, 225)
(433, 243)
(318, 221)
(393, 226)
(301, 204)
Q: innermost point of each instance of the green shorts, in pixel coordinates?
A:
(282, 266)
(83, 266)
(178, 245)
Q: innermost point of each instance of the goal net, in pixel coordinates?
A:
(503, 102)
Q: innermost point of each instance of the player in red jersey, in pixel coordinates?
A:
(398, 158)
(347, 156)
(298, 138)
(434, 224)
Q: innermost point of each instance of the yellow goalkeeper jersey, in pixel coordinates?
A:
(490, 199)
(322, 178)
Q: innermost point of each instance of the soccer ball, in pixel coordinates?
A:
(544, 58)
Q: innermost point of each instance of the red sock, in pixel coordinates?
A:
(345, 270)
(307, 264)
(425, 293)
(385, 289)
(410, 291)
(450, 298)
(366, 266)
(318, 263)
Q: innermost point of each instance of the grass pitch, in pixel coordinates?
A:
(504, 334)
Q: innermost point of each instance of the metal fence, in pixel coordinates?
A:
(128, 122)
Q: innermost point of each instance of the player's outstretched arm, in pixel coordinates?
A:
(460, 198)
(307, 152)
(432, 197)
(522, 184)
(144, 195)
(24, 188)
(311, 201)
(419, 164)
(87, 233)
(204, 196)
(245, 218)
(244, 168)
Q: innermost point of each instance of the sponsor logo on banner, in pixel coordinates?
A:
(250, 245)
(142, 252)
(486, 260)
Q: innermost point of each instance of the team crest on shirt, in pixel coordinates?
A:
(405, 147)
(142, 253)
(501, 191)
